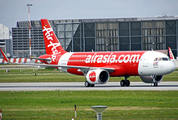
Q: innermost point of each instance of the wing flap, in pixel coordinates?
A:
(48, 59)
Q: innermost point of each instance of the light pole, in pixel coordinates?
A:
(29, 28)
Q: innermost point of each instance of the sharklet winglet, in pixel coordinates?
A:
(4, 55)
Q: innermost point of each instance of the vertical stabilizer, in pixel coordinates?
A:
(52, 44)
(171, 54)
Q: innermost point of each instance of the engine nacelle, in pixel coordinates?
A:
(97, 76)
(149, 79)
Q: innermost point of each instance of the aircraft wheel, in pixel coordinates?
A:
(127, 83)
(155, 84)
(92, 85)
(122, 83)
(87, 84)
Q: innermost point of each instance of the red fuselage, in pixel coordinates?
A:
(124, 63)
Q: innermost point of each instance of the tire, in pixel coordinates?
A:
(87, 84)
(127, 83)
(122, 83)
(155, 84)
(92, 85)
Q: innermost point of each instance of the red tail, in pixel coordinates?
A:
(5, 57)
(171, 54)
(52, 44)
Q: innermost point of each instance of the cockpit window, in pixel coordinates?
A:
(165, 59)
(161, 59)
(156, 59)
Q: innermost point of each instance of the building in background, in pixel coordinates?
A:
(115, 34)
(5, 40)
(20, 36)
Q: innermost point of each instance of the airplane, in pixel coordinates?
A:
(16, 60)
(98, 67)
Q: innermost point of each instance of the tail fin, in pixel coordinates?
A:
(52, 44)
(171, 54)
(4, 55)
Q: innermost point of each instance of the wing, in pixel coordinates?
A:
(81, 68)
(7, 60)
(47, 59)
(171, 54)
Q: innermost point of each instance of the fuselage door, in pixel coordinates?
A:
(146, 60)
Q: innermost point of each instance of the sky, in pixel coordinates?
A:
(12, 11)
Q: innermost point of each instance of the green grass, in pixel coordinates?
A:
(50, 75)
(60, 104)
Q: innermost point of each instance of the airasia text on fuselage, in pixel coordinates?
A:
(113, 58)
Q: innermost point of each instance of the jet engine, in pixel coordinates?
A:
(149, 79)
(97, 76)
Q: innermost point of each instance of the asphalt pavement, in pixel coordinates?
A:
(51, 86)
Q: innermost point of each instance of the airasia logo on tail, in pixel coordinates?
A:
(49, 37)
(92, 76)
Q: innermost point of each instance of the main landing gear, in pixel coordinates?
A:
(87, 84)
(125, 82)
(154, 82)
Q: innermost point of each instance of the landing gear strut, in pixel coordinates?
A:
(87, 84)
(125, 82)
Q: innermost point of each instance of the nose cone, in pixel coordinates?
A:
(170, 67)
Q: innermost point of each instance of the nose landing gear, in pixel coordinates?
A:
(154, 81)
(154, 84)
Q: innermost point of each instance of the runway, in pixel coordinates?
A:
(79, 86)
